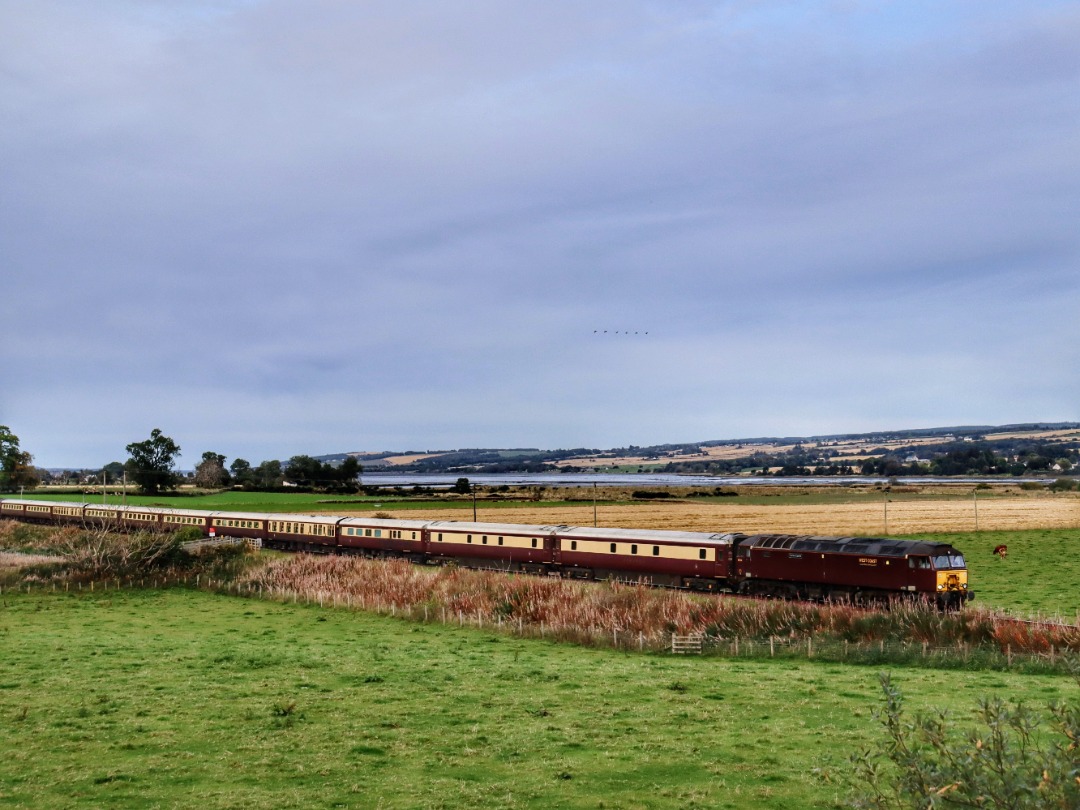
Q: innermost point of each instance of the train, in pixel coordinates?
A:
(806, 567)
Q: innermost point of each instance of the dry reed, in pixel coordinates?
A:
(629, 614)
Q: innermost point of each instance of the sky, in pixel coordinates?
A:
(274, 227)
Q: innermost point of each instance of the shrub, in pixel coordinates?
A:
(927, 762)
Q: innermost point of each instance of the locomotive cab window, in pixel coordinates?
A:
(921, 563)
(944, 562)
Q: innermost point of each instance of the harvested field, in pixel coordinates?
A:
(13, 560)
(906, 516)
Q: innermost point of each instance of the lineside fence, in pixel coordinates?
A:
(818, 648)
(881, 651)
(252, 543)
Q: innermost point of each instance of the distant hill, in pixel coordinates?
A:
(1016, 449)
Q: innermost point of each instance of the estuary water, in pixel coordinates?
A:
(639, 480)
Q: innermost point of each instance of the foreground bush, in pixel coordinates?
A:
(1018, 759)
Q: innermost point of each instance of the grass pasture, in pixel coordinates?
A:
(177, 698)
(1040, 576)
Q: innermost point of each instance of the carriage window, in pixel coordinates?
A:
(633, 549)
(573, 545)
(656, 551)
(484, 539)
(440, 537)
(468, 539)
(534, 542)
(701, 553)
(612, 548)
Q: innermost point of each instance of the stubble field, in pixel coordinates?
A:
(862, 517)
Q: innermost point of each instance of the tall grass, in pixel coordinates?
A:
(633, 615)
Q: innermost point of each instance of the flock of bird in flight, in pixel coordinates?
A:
(616, 332)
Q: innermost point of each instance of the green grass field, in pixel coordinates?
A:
(1039, 577)
(177, 699)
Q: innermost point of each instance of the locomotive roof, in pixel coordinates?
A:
(879, 546)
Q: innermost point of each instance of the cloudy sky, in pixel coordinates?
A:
(273, 227)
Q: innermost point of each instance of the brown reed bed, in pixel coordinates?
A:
(634, 615)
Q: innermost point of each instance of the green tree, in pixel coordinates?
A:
(153, 462)
(1023, 759)
(114, 471)
(242, 473)
(16, 465)
(268, 474)
(304, 471)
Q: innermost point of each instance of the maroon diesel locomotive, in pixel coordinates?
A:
(854, 569)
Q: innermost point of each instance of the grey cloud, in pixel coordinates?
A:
(393, 225)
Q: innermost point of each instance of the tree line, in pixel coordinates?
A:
(151, 466)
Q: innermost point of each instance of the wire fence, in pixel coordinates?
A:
(891, 651)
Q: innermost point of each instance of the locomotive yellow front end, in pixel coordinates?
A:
(952, 579)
